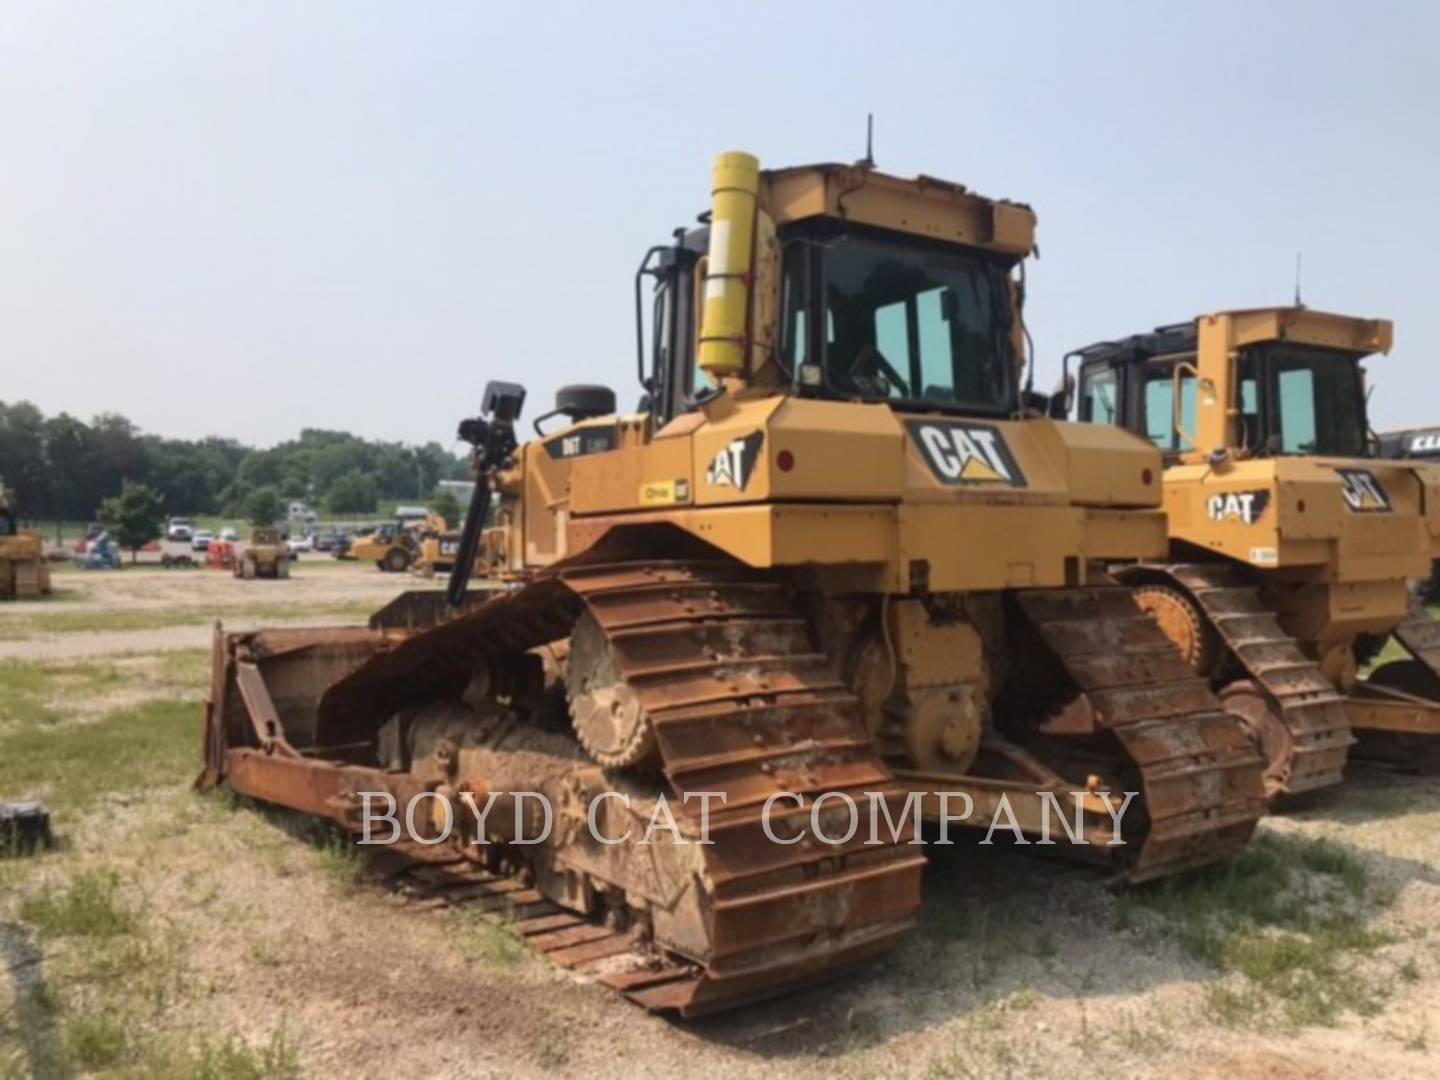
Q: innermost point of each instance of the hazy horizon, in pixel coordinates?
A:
(248, 219)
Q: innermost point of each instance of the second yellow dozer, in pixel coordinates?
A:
(1293, 545)
(837, 559)
(24, 574)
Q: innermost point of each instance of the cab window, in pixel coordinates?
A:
(1098, 401)
(1311, 400)
(1249, 405)
(794, 294)
(908, 324)
(1297, 410)
(1159, 401)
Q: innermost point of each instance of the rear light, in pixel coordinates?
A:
(784, 461)
(1147, 477)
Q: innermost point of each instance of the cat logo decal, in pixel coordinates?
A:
(1362, 492)
(966, 453)
(735, 463)
(1242, 506)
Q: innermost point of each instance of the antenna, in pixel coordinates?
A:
(869, 161)
(1298, 302)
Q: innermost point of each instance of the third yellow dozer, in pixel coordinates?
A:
(1293, 545)
(839, 549)
(265, 556)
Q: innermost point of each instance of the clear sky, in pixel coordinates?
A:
(245, 218)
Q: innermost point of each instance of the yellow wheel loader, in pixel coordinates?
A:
(24, 573)
(838, 565)
(391, 547)
(1292, 544)
(397, 546)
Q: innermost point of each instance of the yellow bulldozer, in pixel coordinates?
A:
(839, 556)
(1293, 544)
(24, 573)
(264, 556)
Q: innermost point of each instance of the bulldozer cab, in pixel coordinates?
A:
(848, 310)
(1263, 383)
(1273, 479)
(829, 335)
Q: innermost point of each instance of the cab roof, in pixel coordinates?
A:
(1253, 326)
(923, 206)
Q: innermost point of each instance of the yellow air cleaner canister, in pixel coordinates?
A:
(724, 340)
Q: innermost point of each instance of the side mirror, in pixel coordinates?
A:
(1062, 398)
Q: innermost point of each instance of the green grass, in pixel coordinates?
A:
(75, 767)
(73, 622)
(96, 1040)
(24, 689)
(1286, 922)
(233, 1059)
(335, 852)
(1324, 857)
(183, 668)
(33, 695)
(494, 944)
(29, 1036)
(340, 859)
(28, 690)
(110, 971)
(89, 906)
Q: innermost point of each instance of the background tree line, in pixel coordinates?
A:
(63, 468)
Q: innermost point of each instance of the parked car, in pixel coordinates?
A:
(297, 545)
(229, 534)
(324, 540)
(201, 540)
(179, 530)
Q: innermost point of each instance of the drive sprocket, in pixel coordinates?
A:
(609, 720)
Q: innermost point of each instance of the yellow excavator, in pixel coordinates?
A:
(839, 555)
(1293, 543)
